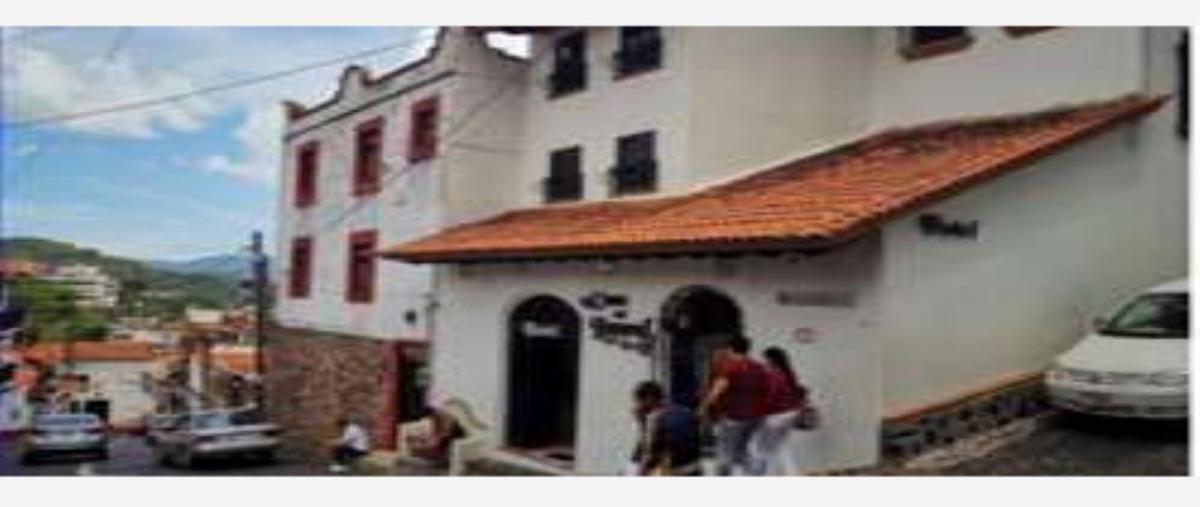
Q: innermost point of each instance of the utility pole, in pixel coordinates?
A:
(259, 268)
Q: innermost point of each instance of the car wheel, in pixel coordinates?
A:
(102, 454)
(268, 457)
(186, 459)
(163, 455)
(28, 458)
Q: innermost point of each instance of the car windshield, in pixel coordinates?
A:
(1151, 316)
(66, 421)
(211, 420)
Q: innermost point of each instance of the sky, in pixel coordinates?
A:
(174, 181)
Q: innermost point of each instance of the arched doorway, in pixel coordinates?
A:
(543, 374)
(697, 319)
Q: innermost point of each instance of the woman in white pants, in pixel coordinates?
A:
(785, 397)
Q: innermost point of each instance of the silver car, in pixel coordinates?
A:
(64, 434)
(215, 434)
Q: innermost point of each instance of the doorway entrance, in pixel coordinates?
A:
(697, 319)
(543, 375)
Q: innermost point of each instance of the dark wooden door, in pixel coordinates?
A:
(543, 373)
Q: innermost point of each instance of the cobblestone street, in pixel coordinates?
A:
(1070, 444)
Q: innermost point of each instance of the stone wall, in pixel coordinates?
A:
(312, 378)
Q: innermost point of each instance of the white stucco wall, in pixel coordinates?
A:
(120, 382)
(763, 94)
(1001, 74)
(1060, 242)
(414, 198)
(841, 366)
(606, 109)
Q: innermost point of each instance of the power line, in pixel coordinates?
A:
(205, 90)
(450, 134)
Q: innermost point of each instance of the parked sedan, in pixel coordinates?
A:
(216, 434)
(64, 435)
(1133, 364)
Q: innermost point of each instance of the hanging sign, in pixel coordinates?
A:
(638, 337)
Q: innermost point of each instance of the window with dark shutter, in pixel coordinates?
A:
(306, 174)
(640, 50)
(422, 139)
(565, 182)
(300, 276)
(368, 157)
(636, 170)
(360, 276)
(570, 65)
(927, 41)
(1183, 55)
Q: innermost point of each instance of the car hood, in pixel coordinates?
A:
(1133, 355)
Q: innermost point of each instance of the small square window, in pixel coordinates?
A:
(565, 181)
(637, 169)
(307, 160)
(928, 41)
(360, 276)
(300, 275)
(640, 50)
(368, 157)
(570, 65)
(423, 130)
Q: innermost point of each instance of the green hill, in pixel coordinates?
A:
(144, 287)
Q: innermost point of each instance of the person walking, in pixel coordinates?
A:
(736, 402)
(786, 396)
(669, 443)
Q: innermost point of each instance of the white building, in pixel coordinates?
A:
(93, 287)
(378, 163)
(919, 216)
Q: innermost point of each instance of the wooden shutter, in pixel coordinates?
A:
(368, 157)
(300, 277)
(307, 162)
(360, 275)
(423, 130)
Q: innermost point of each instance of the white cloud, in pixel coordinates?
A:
(78, 71)
(44, 83)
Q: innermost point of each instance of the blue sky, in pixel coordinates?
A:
(176, 181)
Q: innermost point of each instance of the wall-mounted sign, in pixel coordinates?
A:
(933, 224)
(638, 337)
(600, 301)
(532, 329)
(804, 335)
(814, 298)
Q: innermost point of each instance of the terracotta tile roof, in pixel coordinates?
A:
(113, 350)
(813, 202)
(235, 360)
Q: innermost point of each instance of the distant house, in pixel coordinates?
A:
(93, 287)
(21, 268)
(118, 371)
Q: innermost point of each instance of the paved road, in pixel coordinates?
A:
(1070, 444)
(131, 456)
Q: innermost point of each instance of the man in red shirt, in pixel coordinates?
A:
(737, 402)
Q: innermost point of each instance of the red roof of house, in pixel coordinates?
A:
(12, 268)
(812, 202)
(113, 350)
(240, 360)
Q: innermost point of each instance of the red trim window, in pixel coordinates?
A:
(360, 269)
(300, 276)
(307, 162)
(423, 124)
(368, 157)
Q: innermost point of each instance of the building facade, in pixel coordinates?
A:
(379, 162)
(93, 287)
(917, 215)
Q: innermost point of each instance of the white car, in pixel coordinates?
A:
(214, 434)
(1134, 364)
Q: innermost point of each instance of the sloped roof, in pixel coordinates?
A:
(812, 202)
(83, 351)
